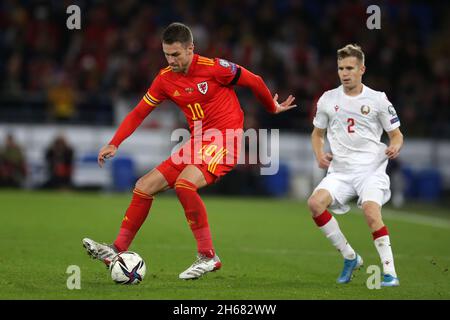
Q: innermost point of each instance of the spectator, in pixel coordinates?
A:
(59, 158)
(12, 164)
(61, 97)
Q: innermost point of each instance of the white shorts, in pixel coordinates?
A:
(371, 185)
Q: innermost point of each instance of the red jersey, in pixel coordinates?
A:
(204, 93)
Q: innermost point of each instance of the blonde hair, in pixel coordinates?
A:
(351, 50)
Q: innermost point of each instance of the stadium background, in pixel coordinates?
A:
(79, 84)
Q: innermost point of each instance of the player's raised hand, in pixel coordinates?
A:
(285, 105)
(106, 152)
(325, 160)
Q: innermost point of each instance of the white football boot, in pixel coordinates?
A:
(100, 251)
(201, 266)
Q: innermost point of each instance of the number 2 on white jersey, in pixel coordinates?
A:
(351, 124)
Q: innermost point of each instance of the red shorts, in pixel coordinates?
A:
(215, 157)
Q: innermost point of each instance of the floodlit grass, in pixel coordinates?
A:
(270, 249)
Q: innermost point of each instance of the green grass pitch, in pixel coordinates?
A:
(270, 249)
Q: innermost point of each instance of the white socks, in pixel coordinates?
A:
(383, 245)
(333, 232)
(330, 227)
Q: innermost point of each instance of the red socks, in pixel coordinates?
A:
(383, 231)
(323, 218)
(196, 216)
(194, 209)
(134, 218)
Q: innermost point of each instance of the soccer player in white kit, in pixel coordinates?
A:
(354, 117)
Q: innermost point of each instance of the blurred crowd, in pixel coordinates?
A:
(59, 162)
(95, 75)
(13, 169)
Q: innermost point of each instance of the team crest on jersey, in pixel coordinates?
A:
(202, 87)
(365, 110)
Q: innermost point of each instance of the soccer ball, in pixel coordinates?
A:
(127, 268)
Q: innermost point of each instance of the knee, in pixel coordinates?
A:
(316, 205)
(144, 186)
(183, 184)
(374, 222)
(370, 218)
(140, 184)
(373, 217)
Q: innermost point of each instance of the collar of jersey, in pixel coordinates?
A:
(192, 66)
(353, 97)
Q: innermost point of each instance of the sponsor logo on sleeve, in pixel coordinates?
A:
(394, 120)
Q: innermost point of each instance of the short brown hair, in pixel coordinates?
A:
(177, 32)
(351, 50)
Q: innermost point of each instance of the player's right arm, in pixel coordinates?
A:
(318, 136)
(318, 142)
(126, 128)
(148, 103)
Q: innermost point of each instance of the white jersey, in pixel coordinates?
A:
(354, 127)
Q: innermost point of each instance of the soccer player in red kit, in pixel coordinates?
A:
(203, 89)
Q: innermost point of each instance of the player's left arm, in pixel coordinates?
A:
(262, 93)
(230, 74)
(395, 143)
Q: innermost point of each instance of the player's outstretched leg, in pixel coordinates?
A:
(100, 251)
(134, 218)
(195, 212)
